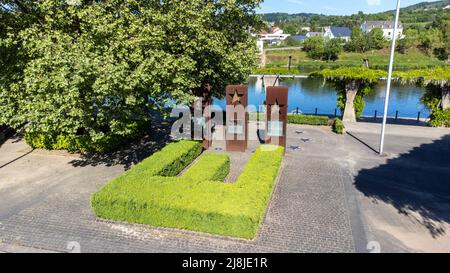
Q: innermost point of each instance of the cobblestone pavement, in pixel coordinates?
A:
(44, 203)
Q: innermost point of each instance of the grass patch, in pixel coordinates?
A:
(276, 71)
(198, 200)
(308, 120)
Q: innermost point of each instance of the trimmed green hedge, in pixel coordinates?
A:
(213, 167)
(308, 120)
(338, 126)
(198, 200)
(170, 161)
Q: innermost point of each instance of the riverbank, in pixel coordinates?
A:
(414, 59)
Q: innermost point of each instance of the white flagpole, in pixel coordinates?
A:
(389, 80)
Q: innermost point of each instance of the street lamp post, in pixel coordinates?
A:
(389, 80)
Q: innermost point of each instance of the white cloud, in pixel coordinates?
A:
(373, 2)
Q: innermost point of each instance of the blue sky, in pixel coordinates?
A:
(336, 7)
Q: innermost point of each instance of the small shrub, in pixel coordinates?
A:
(308, 120)
(432, 99)
(84, 143)
(440, 118)
(338, 126)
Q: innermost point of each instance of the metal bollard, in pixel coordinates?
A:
(396, 115)
(418, 117)
(376, 114)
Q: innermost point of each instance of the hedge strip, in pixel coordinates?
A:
(308, 120)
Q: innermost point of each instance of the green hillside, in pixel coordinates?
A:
(422, 13)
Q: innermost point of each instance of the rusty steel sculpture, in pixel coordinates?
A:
(277, 115)
(236, 118)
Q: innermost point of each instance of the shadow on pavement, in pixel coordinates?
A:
(133, 153)
(15, 159)
(362, 142)
(417, 184)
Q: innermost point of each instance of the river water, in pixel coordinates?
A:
(309, 94)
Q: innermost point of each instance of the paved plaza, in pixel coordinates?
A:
(334, 194)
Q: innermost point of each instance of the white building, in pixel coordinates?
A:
(315, 34)
(343, 33)
(386, 26)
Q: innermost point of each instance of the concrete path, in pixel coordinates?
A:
(45, 205)
(404, 195)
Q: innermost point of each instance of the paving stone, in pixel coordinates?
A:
(308, 211)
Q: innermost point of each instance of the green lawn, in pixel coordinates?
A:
(198, 200)
(414, 59)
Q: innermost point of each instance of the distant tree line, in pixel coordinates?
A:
(425, 30)
(432, 39)
(322, 48)
(414, 15)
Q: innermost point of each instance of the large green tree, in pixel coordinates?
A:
(376, 39)
(333, 47)
(411, 40)
(314, 47)
(359, 41)
(431, 39)
(352, 84)
(96, 68)
(437, 95)
(323, 48)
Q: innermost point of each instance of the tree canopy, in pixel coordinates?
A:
(323, 48)
(436, 80)
(360, 81)
(438, 76)
(94, 67)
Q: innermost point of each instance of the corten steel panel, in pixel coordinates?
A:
(277, 96)
(237, 99)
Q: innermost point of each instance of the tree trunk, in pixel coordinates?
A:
(263, 59)
(366, 63)
(446, 97)
(349, 111)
